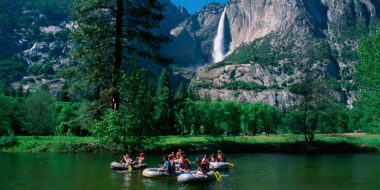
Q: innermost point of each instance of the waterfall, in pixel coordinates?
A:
(218, 49)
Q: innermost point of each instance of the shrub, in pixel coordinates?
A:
(7, 141)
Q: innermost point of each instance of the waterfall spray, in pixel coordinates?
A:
(218, 49)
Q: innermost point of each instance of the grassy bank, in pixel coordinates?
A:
(239, 144)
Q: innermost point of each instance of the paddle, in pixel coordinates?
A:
(231, 164)
(130, 168)
(217, 175)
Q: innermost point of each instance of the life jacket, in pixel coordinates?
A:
(185, 164)
(221, 158)
(213, 159)
(203, 167)
(206, 163)
(129, 161)
(178, 155)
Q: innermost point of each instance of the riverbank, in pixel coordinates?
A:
(324, 144)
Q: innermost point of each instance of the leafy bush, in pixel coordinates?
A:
(44, 69)
(235, 85)
(7, 141)
(62, 142)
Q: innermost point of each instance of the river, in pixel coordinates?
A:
(89, 171)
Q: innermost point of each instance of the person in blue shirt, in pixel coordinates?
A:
(167, 166)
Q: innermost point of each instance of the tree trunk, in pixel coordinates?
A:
(305, 121)
(118, 56)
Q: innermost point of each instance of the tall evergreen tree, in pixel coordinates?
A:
(181, 93)
(369, 69)
(110, 34)
(179, 108)
(164, 113)
(64, 95)
(20, 91)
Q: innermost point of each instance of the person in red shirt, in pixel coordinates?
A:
(206, 162)
(202, 168)
(141, 159)
(221, 157)
(184, 164)
(178, 155)
(172, 155)
(213, 158)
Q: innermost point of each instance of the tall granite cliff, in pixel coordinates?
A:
(42, 43)
(273, 44)
(270, 45)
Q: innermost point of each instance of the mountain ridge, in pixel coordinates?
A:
(272, 45)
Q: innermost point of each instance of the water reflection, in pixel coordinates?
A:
(255, 171)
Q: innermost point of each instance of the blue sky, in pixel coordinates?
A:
(194, 6)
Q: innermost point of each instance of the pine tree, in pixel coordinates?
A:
(20, 91)
(110, 34)
(181, 93)
(64, 96)
(179, 108)
(164, 113)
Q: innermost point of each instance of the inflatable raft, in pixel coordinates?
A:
(154, 173)
(118, 166)
(193, 177)
(220, 165)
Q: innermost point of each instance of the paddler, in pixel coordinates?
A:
(221, 157)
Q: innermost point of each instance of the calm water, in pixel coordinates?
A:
(89, 171)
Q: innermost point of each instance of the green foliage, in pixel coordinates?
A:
(164, 105)
(260, 118)
(261, 51)
(334, 119)
(5, 114)
(70, 118)
(348, 53)
(62, 142)
(369, 69)
(231, 114)
(7, 141)
(11, 70)
(316, 98)
(39, 114)
(131, 127)
(115, 130)
(64, 94)
(106, 50)
(43, 69)
(241, 85)
(181, 93)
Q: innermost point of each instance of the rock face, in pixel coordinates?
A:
(43, 44)
(275, 44)
(272, 45)
(192, 40)
(173, 16)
